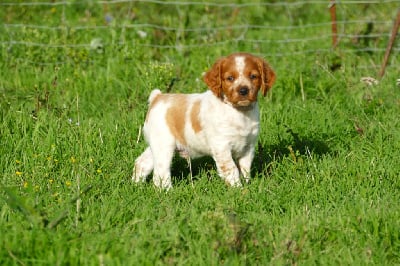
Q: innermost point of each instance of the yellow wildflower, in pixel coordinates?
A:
(99, 171)
(68, 183)
(18, 173)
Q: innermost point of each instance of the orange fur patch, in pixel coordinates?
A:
(176, 116)
(194, 117)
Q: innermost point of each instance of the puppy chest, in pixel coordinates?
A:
(236, 136)
(240, 144)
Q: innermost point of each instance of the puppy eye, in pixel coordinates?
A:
(253, 76)
(230, 78)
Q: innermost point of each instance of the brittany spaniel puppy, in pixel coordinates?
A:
(222, 122)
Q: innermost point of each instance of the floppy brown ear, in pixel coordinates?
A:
(268, 77)
(213, 79)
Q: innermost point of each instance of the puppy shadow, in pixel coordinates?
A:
(182, 169)
(293, 146)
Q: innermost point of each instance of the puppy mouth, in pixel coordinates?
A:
(240, 103)
(244, 103)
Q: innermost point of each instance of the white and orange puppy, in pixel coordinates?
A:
(222, 122)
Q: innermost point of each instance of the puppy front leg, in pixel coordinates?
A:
(227, 168)
(245, 164)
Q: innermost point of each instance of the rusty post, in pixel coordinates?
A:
(332, 10)
(393, 35)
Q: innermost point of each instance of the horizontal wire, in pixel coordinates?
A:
(278, 55)
(183, 44)
(160, 27)
(194, 3)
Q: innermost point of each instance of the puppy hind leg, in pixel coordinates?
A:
(144, 164)
(162, 167)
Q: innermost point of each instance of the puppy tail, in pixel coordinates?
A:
(153, 95)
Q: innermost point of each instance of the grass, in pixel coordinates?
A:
(325, 186)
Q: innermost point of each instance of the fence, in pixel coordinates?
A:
(59, 32)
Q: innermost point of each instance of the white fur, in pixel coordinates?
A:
(240, 66)
(228, 135)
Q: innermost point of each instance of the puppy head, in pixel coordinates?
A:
(236, 79)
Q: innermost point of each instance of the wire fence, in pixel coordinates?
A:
(191, 3)
(59, 32)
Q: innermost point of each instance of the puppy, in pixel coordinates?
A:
(222, 122)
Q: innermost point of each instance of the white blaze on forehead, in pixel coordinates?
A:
(240, 66)
(239, 60)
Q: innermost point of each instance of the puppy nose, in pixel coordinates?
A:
(243, 91)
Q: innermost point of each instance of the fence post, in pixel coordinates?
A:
(390, 44)
(332, 10)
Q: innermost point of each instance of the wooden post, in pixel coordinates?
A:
(390, 44)
(332, 10)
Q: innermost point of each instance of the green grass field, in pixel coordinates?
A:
(325, 187)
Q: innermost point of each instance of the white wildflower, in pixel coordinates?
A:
(369, 81)
(142, 34)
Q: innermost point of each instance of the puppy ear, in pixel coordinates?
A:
(213, 79)
(268, 76)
